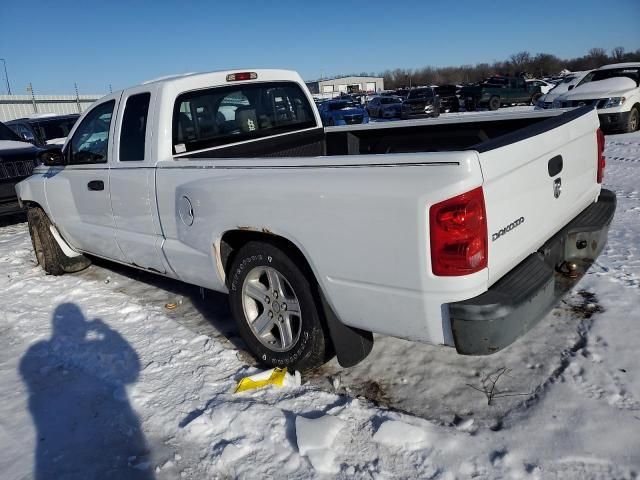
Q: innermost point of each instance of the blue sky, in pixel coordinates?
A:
(58, 42)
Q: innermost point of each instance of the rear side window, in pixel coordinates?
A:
(220, 116)
(134, 127)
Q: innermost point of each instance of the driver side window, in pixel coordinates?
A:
(90, 141)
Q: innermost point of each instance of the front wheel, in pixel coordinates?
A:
(274, 306)
(51, 257)
(494, 103)
(633, 122)
(535, 98)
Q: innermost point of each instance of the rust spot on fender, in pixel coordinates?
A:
(254, 229)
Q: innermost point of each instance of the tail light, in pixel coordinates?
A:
(459, 234)
(601, 159)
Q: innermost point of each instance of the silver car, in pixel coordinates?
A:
(387, 107)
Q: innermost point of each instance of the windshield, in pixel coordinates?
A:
(341, 105)
(50, 129)
(632, 73)
(7, 134)
(568, 79)
(389, 100)
(420, 93)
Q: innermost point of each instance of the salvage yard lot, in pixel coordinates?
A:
(94, 367)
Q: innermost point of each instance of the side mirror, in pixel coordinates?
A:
(571, 87)
(52, 157)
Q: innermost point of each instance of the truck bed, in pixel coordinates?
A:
(451, 133)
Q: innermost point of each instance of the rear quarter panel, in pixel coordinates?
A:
(363, 228)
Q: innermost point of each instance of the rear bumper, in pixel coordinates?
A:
(613, 121)
(491, 321)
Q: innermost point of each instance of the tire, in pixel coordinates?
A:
(633, 122)
(261, 277)
(494, 103)
(470, 106)
(535, 98)
(50, 256)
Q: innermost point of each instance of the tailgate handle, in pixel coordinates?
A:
(555, 165)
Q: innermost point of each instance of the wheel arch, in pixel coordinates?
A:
(233, 240)
(351, 345)
(31, 204)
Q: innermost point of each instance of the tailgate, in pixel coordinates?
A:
(535, 181)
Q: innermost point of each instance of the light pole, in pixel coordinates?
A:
(6, 77)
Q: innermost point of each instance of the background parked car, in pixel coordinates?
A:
(342, 112)
(423, 100)
(568, 82)
(449, 101)
(545, 87)
(18, 158)
(387, 107)
(614, 90)
(45, 129)
(497, 91)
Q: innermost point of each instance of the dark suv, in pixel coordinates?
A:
(44, 130)
(17, 160)
(423, 101)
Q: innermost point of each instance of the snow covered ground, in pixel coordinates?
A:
(99, 380)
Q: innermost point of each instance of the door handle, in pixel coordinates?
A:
(95, 185)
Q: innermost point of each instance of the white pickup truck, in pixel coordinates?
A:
(460, 231)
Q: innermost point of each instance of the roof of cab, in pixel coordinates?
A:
(269, 74)
(621, 65)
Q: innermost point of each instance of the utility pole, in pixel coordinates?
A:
(77, 98)
(33, 98)
(6, 77)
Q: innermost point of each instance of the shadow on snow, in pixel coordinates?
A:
(84, 423)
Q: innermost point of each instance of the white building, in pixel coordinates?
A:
(332, 87)
(20, 106)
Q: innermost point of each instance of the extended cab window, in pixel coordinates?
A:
(220, 116)
(90, 141)
(134, 127)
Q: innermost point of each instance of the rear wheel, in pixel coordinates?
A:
(633, 122)
(494, 103)
(48, 252)
(275, 308)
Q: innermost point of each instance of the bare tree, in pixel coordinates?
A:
(618, 54)
(542, 64)
(520, 61)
